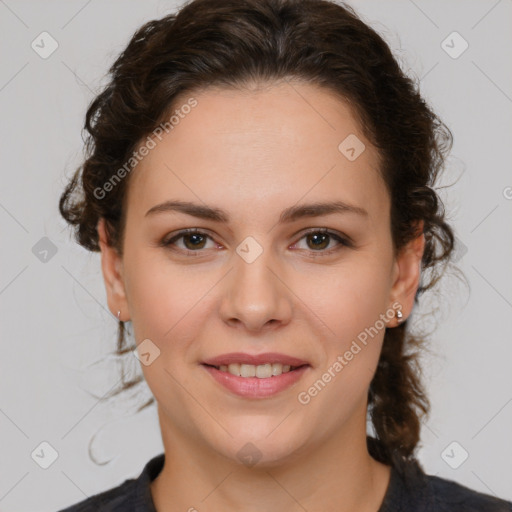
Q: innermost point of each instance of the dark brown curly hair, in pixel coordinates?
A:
(235, 43)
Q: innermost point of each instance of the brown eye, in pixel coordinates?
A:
(196, 241)
(193, 240)
(319, 241)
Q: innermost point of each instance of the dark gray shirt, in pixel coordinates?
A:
(409, 490)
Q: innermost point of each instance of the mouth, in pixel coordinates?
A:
(256, 376)
(260, 371)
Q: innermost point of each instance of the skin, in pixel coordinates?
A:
(253, 153)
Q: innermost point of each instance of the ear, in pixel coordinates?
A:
(407, 274)
(112, 268)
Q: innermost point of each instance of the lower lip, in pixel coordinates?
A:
(254, 387)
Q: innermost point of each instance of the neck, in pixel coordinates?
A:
(339, 475)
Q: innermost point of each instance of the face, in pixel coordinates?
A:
(263, 275)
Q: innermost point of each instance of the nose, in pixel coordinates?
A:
(255, 294)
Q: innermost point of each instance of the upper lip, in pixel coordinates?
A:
(242, 358)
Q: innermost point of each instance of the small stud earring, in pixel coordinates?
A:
(399, 315)
(119, 315)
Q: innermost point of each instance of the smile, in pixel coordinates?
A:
(261, 371)
(257, 381)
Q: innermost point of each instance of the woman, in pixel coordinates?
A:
(260, 185)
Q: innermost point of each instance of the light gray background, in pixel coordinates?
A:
(54, 320)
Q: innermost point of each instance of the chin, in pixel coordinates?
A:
(261, 452)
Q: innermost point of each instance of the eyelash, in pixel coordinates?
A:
(344, 242)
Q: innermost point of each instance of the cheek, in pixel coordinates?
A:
(168, 304)
(349, 298)
(166, 301)
(156, 296)
(352, 310)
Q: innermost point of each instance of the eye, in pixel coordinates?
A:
(193, 240)
(319, 239)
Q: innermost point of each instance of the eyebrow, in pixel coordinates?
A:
(290, 214)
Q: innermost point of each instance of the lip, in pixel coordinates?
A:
(257, 359)
(254, 387)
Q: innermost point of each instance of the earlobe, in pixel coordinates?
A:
(408, 273)
(112, 269)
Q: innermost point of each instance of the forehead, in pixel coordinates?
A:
(260, 149)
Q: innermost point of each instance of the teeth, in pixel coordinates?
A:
(246, 370)
(262, 371)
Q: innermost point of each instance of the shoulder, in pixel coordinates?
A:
(449, 496)
(133, 495)
(111, 500)
(415, 490)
